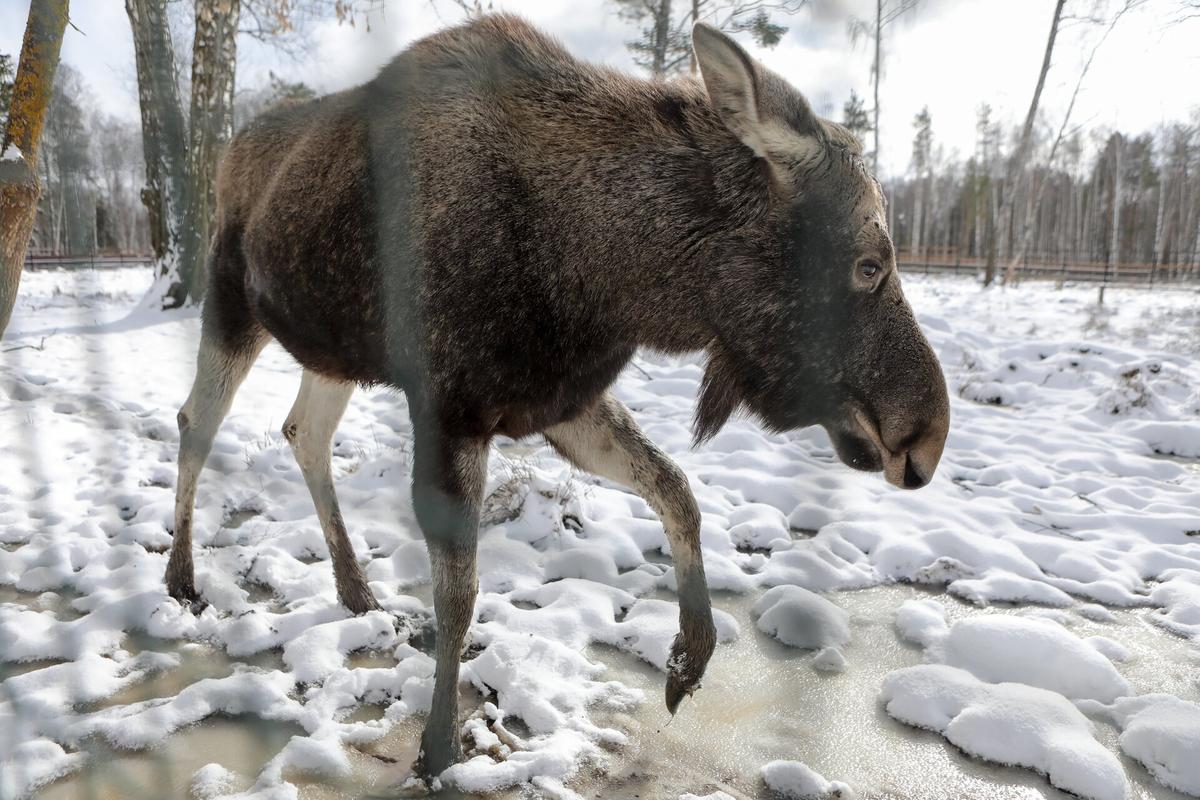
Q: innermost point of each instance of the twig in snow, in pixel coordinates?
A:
(40, 346)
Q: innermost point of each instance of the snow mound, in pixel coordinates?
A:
(829, 660)
(800, 618)
(1000, 648)
(796, 781)
(921, 622)
(1163, 733)
(1008, 723)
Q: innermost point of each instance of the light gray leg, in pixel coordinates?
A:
(606, 441)
(448, 478)
(219, 373)
(309, 429)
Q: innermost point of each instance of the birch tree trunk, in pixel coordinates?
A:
(878, 71)
(19, 147)
(662, 34)
(214, 57)
(1114, 253)
(1016, 164)
(164, 143)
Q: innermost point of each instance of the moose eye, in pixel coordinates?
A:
(869, 269)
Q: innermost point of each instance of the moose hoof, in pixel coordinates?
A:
(359, 601)
(438, 754)
(679, 687)
(185, 594)
(685, 667)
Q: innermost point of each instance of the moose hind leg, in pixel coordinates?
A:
(309, 429)
(606, 441)
(220, 370)
(448, 477)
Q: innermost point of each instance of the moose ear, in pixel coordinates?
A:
(731, 78)
(755, 104)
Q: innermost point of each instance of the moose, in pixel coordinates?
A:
(494, 228)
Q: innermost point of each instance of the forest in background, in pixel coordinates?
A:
(1094, 195)
(1108, 197)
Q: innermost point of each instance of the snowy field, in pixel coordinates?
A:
(1026, 626)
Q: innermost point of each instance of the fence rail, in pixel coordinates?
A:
(87, 261)
(932, 261)
(1051, 268)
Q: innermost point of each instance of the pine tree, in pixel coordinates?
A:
(855, 117)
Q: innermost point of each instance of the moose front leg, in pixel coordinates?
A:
(606, 441)
(448, 478)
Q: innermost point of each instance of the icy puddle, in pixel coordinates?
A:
(167, 771)
(762, 701)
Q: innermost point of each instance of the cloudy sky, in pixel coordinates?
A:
(951, 55)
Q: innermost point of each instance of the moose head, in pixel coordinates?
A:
(811, 324)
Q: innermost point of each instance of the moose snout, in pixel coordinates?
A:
(922, 456)
(908, 461)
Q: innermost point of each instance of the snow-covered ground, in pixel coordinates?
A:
(1036, 606)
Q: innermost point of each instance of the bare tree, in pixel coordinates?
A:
(886, 12)
(1025, 232)
(665, 43)
(67, 209)
(19, 146)
(1016, 162)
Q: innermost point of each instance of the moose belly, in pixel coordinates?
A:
(332, 327)
(520, 399)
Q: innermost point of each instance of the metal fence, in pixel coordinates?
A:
(927, 262)
(88, 261)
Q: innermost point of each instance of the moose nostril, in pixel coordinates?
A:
(912, 478)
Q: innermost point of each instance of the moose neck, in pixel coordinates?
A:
(699, 193)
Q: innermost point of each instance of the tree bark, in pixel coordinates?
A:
(164, 143)
(1114, 252)
(662, 33)
(878, 71)
(19, 147)
(214, 57)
